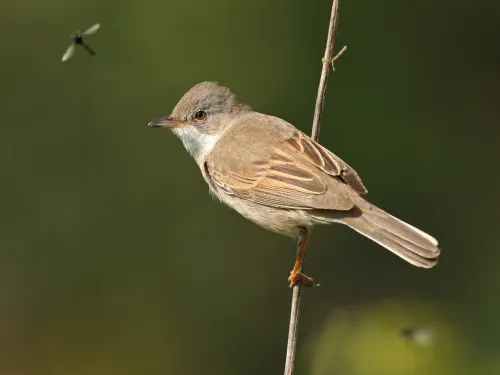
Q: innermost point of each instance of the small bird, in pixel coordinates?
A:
(78, 40)
(278, 177)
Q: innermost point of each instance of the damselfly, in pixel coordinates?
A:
(78, 40)
(419, 335)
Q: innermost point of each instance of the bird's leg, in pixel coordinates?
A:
(296, 275)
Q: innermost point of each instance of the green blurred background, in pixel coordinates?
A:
(115, 260)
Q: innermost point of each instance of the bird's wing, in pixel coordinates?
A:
(274, 174)
(327, 161)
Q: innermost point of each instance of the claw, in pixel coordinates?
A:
(298, 277)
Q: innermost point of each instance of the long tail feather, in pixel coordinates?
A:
(404, 240)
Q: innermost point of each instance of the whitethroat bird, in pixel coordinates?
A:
(278, 177)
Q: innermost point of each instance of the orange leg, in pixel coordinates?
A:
(296, 275)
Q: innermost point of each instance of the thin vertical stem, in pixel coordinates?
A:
(327, 60)
(318, 111)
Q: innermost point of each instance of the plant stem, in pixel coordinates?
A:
(327, 60)
(318, 111)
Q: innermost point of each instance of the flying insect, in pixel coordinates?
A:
(78, 41)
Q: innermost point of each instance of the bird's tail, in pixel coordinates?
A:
(404, 240)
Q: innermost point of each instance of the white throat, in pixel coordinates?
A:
(197, 144)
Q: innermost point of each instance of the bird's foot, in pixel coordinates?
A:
(298, 277)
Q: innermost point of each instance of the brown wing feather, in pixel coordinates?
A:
(328, 162)
(281, 182)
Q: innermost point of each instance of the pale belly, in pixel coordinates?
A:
(282, 221)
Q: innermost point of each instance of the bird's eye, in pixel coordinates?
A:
(200, 115)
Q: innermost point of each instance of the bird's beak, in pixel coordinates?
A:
(167, 122)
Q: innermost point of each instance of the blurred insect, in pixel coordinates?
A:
(419, 335)
(78, 40)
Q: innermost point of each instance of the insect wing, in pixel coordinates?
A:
(69, 52)
(423, 337)
(92, 29)
(420, 336)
